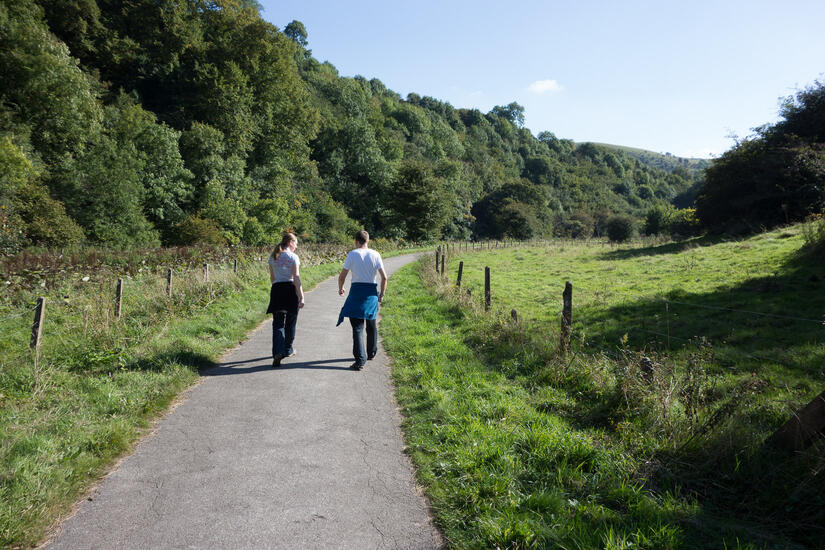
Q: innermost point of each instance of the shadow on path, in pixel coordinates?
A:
(232, 368)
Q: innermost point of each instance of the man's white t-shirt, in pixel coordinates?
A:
(364, 264)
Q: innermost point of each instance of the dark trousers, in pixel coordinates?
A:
(358, 339)
(283, 332)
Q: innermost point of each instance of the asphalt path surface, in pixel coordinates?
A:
(308, 455)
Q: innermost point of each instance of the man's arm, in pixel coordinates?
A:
(383, 283)
(341, 278)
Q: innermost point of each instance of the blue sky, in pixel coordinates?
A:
(678, 77)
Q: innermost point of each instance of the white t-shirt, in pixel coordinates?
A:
(364, 264)
(283, 267)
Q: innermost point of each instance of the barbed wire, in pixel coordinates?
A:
(16, 315)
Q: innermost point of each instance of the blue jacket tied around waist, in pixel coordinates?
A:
(361, 303)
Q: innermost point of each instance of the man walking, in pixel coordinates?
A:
(361, 305)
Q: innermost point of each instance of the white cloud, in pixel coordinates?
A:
(542, 86)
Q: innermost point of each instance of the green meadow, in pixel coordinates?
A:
(653, 431)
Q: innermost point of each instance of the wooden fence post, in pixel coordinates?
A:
(437, 258)
(460, 271)
(804, 427)
(486, 288)
(235, 265)
(37, 326)
(566, 316)
(119, 297)
(169, 282)
(442, 263)
(206, 273)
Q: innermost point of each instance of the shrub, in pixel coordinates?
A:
(684, 223)
(657, 220)
(620, 228)
(199, 230)
(813, 233)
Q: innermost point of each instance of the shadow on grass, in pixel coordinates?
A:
(772, 329)
(762, 322)
(670, 248)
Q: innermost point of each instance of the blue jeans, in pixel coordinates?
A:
(358, 339)
(283, 332)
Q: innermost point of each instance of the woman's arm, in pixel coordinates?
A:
(271, 274)
(296, 280)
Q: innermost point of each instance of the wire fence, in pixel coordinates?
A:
(600, 321)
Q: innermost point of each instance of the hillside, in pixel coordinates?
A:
(662, 161)
(180, 122)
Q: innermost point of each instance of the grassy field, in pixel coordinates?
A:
(100, 381)
(651, 432)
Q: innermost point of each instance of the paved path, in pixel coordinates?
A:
(305, 456)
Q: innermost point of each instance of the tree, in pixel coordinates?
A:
(620, 228)
(419, 203)
(512, 112)
(297, 32)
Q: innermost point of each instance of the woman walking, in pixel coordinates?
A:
(286, 296)
(361, 305)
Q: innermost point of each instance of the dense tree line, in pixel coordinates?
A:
(774, 177)
(158, 122)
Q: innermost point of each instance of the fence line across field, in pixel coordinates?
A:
(796, 434)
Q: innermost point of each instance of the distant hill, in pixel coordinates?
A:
(661, 161)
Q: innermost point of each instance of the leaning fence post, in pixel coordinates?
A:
(486, 288)
(37, 326)
(118, 297)
(460, 271)
(169, 282)
(566, 316)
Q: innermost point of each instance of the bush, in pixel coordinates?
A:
(621, 228)
(813, 233)
(199, 230)
(657, 220)
(684, 223)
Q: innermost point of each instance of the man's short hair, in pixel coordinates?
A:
(362, 237)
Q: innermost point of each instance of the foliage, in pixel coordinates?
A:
(775, 177)
(141, 116)
(197, 230)
(620, 228)
(813, 233)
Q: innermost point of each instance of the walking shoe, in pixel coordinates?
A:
(276, 361)
(290, 354)
(370, 357)
(356, 366)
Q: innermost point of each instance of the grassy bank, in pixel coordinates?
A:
(99, 380)
(520, 446)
